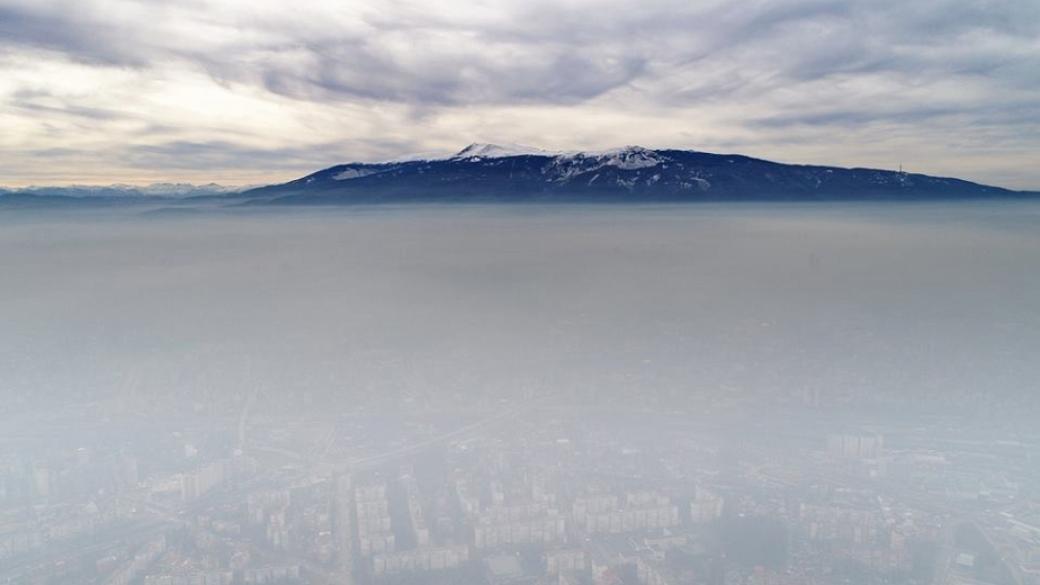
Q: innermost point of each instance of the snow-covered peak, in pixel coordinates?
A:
(483, 150)
(627, 158)
(175, 189)
(622, 151)
(353, 173)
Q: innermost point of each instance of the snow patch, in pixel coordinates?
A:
(567, 166)
(628, 158)
(482, 150)
(352, 174)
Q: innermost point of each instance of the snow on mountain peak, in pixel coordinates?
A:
(353, 173)
(483, 150)
(627, 158)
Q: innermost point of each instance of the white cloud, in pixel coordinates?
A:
(142, 90)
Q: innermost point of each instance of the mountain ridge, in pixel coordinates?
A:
(512, 173)
(162, 189)
(484, 172)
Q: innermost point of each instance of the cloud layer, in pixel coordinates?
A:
(236, 91)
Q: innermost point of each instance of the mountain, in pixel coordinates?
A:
(155, 190)
(104, 196)
(513, 173)
(20, 200)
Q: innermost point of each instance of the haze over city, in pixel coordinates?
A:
(519, 293)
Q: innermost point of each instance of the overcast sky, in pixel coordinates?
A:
(252, 91)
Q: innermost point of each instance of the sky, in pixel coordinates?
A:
(259, 91)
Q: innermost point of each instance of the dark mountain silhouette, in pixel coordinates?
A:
(484, 172)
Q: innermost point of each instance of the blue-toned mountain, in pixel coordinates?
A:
(488, 173)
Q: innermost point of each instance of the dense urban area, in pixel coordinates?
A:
(519, 492)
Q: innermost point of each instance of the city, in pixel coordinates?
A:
(519, 292)
(531, 492)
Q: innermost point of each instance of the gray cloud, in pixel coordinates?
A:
(547, 52)
(76, 30)
(215, 155)
(43, 103)
(749, 67)
(219, 154)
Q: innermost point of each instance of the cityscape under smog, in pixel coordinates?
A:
(248, 337)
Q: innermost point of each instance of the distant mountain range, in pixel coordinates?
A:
(512, 173)
(488, 172)
(108, 195)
